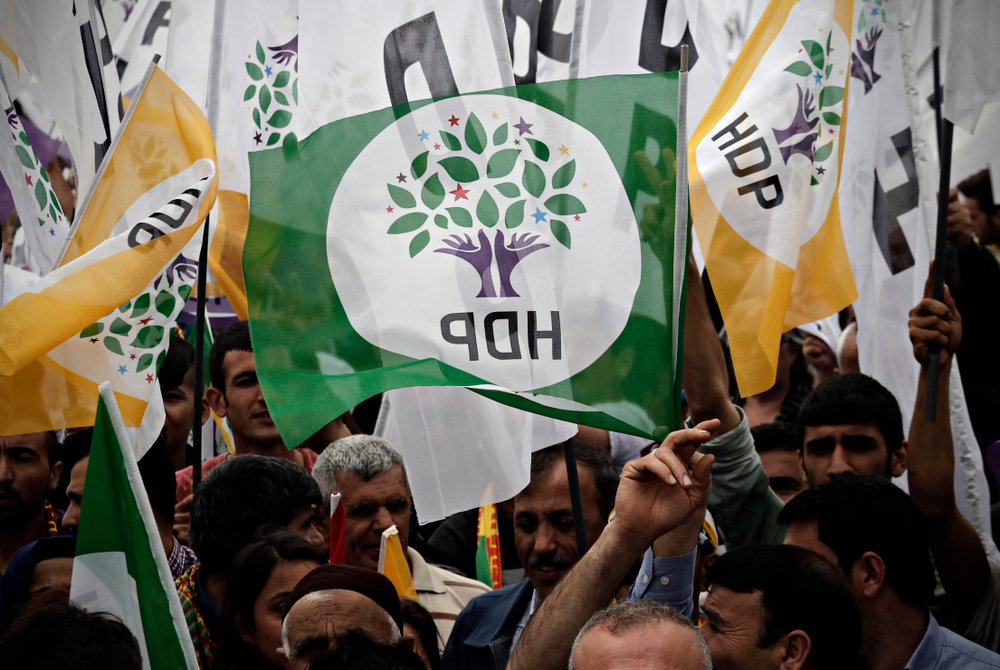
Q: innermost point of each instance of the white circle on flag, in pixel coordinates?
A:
(514, 254)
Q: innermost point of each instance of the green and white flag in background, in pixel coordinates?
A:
(518, 241)
(120, 565)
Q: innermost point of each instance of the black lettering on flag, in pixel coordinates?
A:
(160, 19)
(542, 37)
(733, 130)
(757, 188)
(418, 41)
(489, 325)
(890, 205)
(759, 166)
(534, 335)
(653, 54)
(468, 338)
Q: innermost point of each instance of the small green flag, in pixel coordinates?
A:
(519, 242)
(120, 565)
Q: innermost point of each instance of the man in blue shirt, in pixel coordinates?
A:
(875, 533)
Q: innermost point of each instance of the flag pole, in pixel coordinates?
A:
(199, 355)
(940, 263)
(573, 475)
(936, 63)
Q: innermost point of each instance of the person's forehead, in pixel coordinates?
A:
(238, 362)
(340, 607)
(733, 607)
(550, 491)
(384, 485)
(51, 571)
(780, 459)
(839, 430)
(33, 441)
(79, 471)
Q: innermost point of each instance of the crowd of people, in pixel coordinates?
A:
(767, 533)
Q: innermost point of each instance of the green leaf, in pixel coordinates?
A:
(500, 135)
(540, 149)
(419, 165)
(799, 67)
(460, 216)
(140, 306)
(401, 196)
(564, 175)
(440, 220)
(120, 327)
(418, 242)
(260, 53)
(124, 308)
(41, 195)
(264, 98)
(450, 141)
(501, 163)
(509, 189)
(26, 161)
(830, 95)
(813, 182)
(295, 91)
(823, 152)
(831, 118)
(460, 168)
(475, 134)
(255, 72)
(514, 215)
(251, 89)
(256, 116)
(184, 291)
(159, 360)
(112, 344)
(407, 223)
(91, 330)
(149, 337)
(565, 204)
(273, 138)
(280, 97)
(144, 362)
(282, 79)
(280, 119)
(165, 302)
(561, 232)
(487, 211)
(829, 38)
(829, 69)
(290, 141)
(533, 179)
(815, 51)
(433, 192)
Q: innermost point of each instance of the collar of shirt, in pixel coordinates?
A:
(424, 579)
(525, 618)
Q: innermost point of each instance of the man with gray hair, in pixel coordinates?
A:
(639, 635)
(370, 476)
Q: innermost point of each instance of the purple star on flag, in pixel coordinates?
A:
(257, 138)
(523, 127)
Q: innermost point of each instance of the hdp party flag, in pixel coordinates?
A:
(393, 564)
(518, 241)
(120, 564)
(488, 568)
(765, 167)
(338, 543)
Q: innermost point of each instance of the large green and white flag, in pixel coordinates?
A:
(120, 564)
(518, 241)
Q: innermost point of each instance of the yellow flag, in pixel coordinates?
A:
(765, 168)
(393, 564)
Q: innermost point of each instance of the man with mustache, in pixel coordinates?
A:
(29, 469)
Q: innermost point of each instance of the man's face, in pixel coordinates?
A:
(369, 509)
(659, 646)
(850, 449)
(304, 525)
(243, 401)
(179, 406)
(25, 478)
(733, 628)
(318, 620)
(544, 534)
(784, 472)
(981, 224)
(77, 477)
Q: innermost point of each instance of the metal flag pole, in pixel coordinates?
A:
(569, 452)
(940, 263)
(199, 356)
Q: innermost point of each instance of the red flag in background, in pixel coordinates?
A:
(338, 544)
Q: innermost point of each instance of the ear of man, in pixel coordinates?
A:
(216, 401)
(794, 648)
(868, 575)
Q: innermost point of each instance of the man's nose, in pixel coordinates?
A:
(838, 463)
(545, 539)
(383, 519)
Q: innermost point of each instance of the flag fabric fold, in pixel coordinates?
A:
(488, 567)
(120, 566)
(393, 564)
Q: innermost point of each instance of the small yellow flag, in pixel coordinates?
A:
(392, 563)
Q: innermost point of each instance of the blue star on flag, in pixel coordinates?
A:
(539, 216)
(819, 77)
(52, 233)
(875, 11)
(423, 135)
(267, 70)
(122, 369)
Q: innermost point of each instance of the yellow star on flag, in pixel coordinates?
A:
(585, 184)
(495, 116)
(564, 150)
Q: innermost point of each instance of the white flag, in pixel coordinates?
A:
(972, 78)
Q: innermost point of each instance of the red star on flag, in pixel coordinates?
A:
(453, 120)
(146, 320)
(437, 147)
(131, 357)
(27, 178)
(389, 209)
(459, 192)
(149, 379)
(831, 131)
(576, 218)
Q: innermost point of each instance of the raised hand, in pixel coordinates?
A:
(933, 322)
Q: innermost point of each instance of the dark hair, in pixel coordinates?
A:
(61, 635)
(177, 362)
(978, 186)
(240, 495)
(415, 615)
(251, 570)
(799, 590)
(598, 460)
(73, 449)
(234, 338)
(860, 513)
(156, 468)
(776, 436)
(359, 652)
(853, 398)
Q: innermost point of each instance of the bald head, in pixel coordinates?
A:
(639, 635)
(319, 619)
